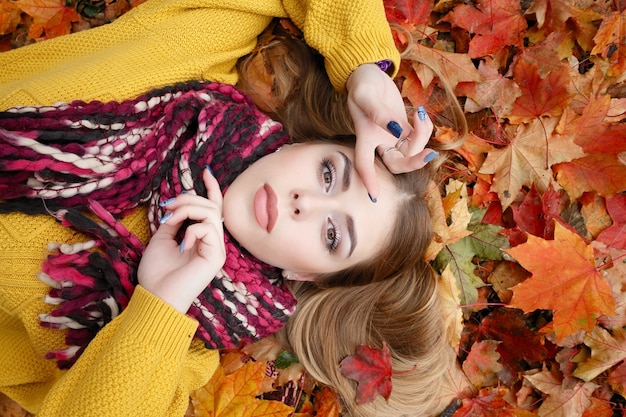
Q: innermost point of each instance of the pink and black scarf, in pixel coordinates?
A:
(108, 158)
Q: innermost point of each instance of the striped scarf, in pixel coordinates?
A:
(108, 158)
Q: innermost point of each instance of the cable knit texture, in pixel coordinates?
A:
(158, 43)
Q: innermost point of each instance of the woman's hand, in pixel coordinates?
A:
(178, 273)
(380, 123)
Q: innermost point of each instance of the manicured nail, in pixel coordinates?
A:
(394, 128)
(421, 113)
(166, 217)
(430, 157)
(167, 202)
(372, 198)
(210, 170)
(182, 246)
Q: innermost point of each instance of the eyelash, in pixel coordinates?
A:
(327, 167)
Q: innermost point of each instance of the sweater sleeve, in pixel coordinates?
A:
(347, 33)
(142, 363)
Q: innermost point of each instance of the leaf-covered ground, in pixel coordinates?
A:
(531, 227)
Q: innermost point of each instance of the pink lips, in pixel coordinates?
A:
(265, 207)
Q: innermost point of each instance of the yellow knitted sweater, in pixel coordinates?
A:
(144, 362)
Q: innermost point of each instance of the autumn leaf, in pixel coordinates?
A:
(408, 13)
(540, 96)
(527, 159)
(600, 173)
(615, 235)
(610, 42)
(607, 350)
(491, 402)
(371, 369)
(564, 279)
(495, 23)
(451, 307)
(51, 18)
(481, 363)
(617, 379)
(234, 395)
(455, 68)
(562, 401)
(10, 16)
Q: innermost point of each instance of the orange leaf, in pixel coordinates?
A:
(495, 23)
(610, 42)
(562, 401)
(600, 173)
(527, 159)
(10, 16)
(482, 363)
(51, 18)
(541, 96)
(564, 279)
(607, 349)
(235, 395)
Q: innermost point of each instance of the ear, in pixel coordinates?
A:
(297, 276)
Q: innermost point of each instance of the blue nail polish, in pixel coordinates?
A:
(182, 246)
(372, 198)
(394, 128)
(421, 113)
(430, 157)
(166, 217)
(210, 170)
(167, 202)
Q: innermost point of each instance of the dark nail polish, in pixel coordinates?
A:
(182, 246)
(430, 157)
(210, 170)
(166, 217)
(421, 113)
(394, 128)
(372, 198)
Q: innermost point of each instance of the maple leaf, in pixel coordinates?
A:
(408, 13)
(607, 350)
(617, 379)
(371, 369)
(609, 42)
(564, 279)
(235, 395)
(491, 402)
(562, 401)
(600, 173)
(536, 213)
(594, 212)
(10, 16)
(540, 96)
(50, 17)
(495, 92)
(563, 16)
(615, 235)
(457, 211)
(481, 363)
(451, 306)
(495, 23)
(455, 68)
(527, 159)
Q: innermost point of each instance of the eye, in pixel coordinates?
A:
(328, 173)
(332, 236)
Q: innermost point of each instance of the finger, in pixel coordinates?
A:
(364, 165)
(201, 213)
(398, 163)
(212, 186)
(208, 239)
(419, 138)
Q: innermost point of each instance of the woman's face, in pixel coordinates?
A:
(305, 209)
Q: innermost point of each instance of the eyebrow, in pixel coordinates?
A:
(347, 172)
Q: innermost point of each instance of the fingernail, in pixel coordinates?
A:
(210, 170)
(373, 200)
(167, 202)
(181, 247)
(166, 217)
(430, 157)
(394, 128)
(421, 113)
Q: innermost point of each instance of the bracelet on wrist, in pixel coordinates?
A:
(385, 65)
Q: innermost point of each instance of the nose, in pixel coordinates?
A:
(305, 203)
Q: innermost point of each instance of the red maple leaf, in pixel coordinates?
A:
(371, 369)
(495, 23)
(408, 12)
(615, 235)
